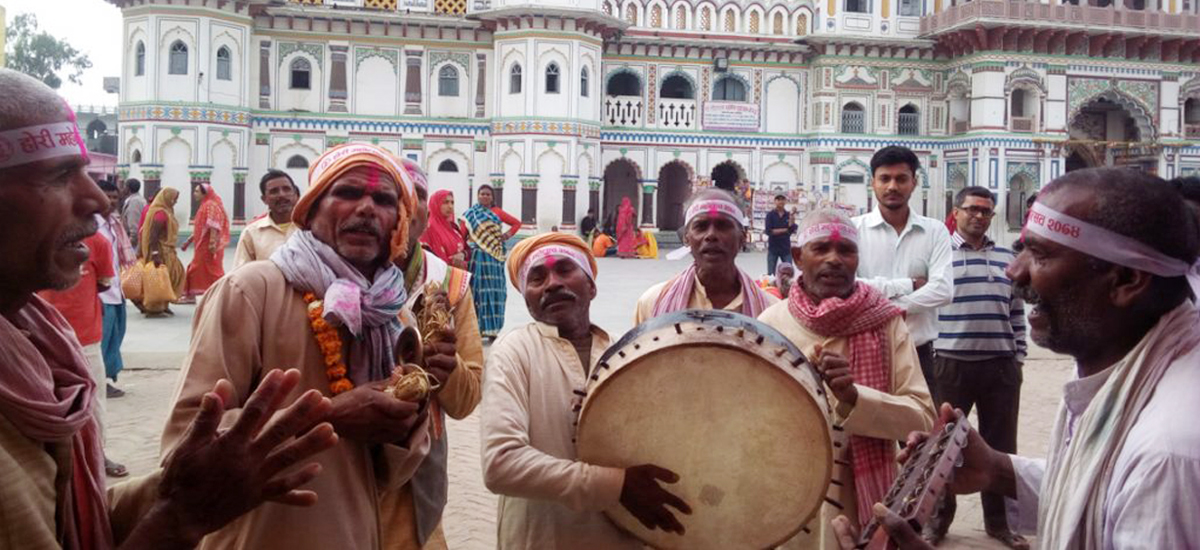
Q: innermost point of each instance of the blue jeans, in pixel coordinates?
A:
(114, 334)
(772, 257)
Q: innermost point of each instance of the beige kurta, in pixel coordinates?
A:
(698, 300)
(260, 239)
(548, 499)
(458, 397)
(33, 486)
(252, 321)
(877, 414)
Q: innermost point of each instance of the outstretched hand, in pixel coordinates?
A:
(647, 501)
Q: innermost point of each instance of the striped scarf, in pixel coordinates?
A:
(485, 230)
(678, 293)
(860, 319)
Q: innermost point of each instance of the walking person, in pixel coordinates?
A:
(779, 227)
(160, 232)
(904, 255)
(980, 350)
(486, 239)
(131, 210)
(210, 233)
(112, 300)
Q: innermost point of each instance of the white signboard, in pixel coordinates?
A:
(731, 116)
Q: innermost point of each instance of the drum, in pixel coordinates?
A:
(730, 405)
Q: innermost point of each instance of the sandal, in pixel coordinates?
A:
(114, 469)
(1010, 539)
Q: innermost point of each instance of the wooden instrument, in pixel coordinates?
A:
(730, 405)
(921, 484)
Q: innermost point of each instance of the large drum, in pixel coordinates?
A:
(730, 405)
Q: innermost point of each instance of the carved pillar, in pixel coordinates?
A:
(239, 195)
(198, 177)
(152, 182)
(412, 82)
(594, 197)
(264, 75)
(568, 203)
(529, 201)
(337, 79)
(480, 84)
(648, 205)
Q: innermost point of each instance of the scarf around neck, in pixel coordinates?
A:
(860, 319)
(370, 310)
(678, 293)
(47, 393)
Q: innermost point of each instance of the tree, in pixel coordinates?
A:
(42, 56)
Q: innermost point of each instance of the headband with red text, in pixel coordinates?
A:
(714, 207)
(1101, 243)
(834, 231)
(45, 141)
(548, 254)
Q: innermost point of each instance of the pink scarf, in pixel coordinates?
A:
(125, 255)
(861, 319)
(47, 392)
(678, 292)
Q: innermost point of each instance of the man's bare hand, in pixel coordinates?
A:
(212, 478)
(919, 282)
(441, 357)
(835, 371)
(368, 414)
(647, 500)
(982, 466)
(899, 531)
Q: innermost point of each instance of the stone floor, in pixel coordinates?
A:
(154, 349)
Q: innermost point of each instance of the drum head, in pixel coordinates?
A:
(748, 439)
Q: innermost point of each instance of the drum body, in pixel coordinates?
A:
(727, 403)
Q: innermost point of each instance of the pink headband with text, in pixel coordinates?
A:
(714, 207)
(45, 141)
(553, 251)
(834, 231)
(1089, 239)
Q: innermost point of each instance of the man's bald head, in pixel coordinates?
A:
(26, 101)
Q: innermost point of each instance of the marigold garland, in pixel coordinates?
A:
(330, 344)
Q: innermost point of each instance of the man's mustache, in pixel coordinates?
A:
(366, 226)
(1026, 293)
(78, 232)
(559, 296)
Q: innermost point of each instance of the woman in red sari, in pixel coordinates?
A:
(210, 233)
(446, 237)
(628, 235)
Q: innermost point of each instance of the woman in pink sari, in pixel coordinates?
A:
(210, 233)
(628, 235)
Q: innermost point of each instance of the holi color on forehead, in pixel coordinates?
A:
(373, 178)
(550, 261)
(835, 235)
(713, 211)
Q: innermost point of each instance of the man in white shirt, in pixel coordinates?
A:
(262, 236)
(1104, 267)
(904, 255)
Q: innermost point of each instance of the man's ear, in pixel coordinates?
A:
(1129, 286)
(592, 292)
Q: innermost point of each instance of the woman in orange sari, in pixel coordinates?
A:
(210, 233)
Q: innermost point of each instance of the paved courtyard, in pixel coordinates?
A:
(154, 349)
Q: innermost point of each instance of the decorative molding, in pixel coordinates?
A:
(463, 60)
(362, 54)
(184, 113)
(317, 51)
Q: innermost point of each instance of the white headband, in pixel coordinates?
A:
(831, 230)
(45, 141)
(1089, 239)
(537, 257)
(715, 206)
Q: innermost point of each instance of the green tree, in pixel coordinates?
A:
(42, 56)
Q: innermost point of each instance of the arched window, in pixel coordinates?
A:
(706, 17)
(447, 166)
(135, 157)
(583, 82)
(552, 78)
(656, 16)
(301, 71)
(224, 64)
(631, 14)
(777, 23)
(1017, 107)
(139, 60)
(1191, 111)
(801, 24)
(730, 22)
(681, 17)
(514, 79)
(448, 81)
(677, 87)
(908, 123)
(297, 161)
(178, 59)
(624, 84)
(753, 26)
(853, 119)
(729, 89)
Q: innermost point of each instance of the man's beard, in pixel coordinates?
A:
(1071, 327)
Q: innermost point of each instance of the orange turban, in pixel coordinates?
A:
(570, 245)
(337, 161)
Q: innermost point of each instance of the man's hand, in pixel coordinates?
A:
(647, 500)
(900, 531)
(212, 478)
(919, 282)
(441, 358)
(835, 371)
(980, 463)
(367, 414)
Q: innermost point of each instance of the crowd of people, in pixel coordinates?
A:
(282, 434)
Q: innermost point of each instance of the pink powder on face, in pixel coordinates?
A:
(836, 235)
(713, 211)
(373, 179)
(550, 261)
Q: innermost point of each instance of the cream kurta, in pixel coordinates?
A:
(881, 415)
(549, 500)
(252, 321)
(698, 300)
(260, 239)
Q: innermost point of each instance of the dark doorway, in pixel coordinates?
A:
(674, 188)
(620, 181)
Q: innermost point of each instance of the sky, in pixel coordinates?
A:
(91, 26)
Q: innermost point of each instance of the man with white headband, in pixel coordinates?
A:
(52, 484)
(533, 383)
(1107, 252)
(860, 344)
(714, 229)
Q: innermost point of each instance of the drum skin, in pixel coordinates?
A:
(731, 406)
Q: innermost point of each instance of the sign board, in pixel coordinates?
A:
(731, 116)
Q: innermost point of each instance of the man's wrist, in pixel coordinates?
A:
(168, 527)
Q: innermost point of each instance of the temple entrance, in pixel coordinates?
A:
(1112, 129)
(727, 175)
(620, 180)
(674, 188)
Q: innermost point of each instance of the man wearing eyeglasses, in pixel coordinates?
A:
(980, 349)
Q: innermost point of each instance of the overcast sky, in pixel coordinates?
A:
(91, 26)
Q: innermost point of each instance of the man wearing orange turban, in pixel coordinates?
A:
(327, 303)
(548, 498)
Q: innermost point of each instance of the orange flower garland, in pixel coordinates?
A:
(330, 343)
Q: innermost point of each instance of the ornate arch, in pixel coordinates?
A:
(1141, 117)
(688, 18)
(191, 150)
(591, 163)
(445, 152)
(135, 144)
(852, 161)
(550, 151)
(731, 74)
(280, 159)
(213, 148)
(1024, 77)
(637, 168)
(1190, 89)
(626, 70)
(691, 171)
(795, 171)
(137, 33)
(230, 41)
(678, 71)
(959, 81)
(504, 160)
(177, 33)
(785, 77)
